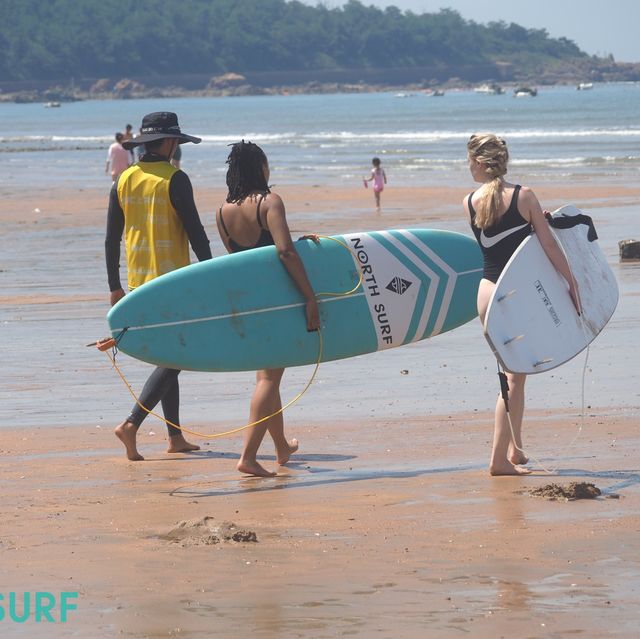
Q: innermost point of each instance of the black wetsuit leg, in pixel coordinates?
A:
(171, 406)
(162, 386)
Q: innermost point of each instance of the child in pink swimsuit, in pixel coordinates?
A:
(379, 178)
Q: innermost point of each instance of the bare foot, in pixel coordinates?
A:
(507, 468)
(518, 458)
(254, 468)
(126, 433)
(178, 444)
(284, 456)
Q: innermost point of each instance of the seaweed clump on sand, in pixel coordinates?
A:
(575, 490)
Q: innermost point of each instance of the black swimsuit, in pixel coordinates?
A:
(265, 238)
(499, 241)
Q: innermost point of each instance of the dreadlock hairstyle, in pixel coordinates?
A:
(491, 152)
(246, 171)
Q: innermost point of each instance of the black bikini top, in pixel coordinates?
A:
(265, 238)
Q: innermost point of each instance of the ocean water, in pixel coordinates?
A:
(317, 139)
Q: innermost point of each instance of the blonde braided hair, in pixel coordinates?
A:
(491, 152)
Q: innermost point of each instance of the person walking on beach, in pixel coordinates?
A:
(379, 179)
(152, 203)
(118, 158)
(502, 215)
(253, 216)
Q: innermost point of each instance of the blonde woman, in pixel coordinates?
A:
(502, 215)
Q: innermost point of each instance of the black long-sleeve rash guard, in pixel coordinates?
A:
(181, 196)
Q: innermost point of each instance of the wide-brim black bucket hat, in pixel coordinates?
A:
(157, 126)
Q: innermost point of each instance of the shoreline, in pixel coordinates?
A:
(127, 89)
(424, 203)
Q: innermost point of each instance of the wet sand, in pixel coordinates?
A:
(386, 522)
(390, 528)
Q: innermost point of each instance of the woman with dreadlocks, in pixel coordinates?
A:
(502, 215)
(253, 216)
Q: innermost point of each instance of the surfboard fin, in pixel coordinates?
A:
(502, 297)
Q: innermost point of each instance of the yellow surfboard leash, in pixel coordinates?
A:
(110, 344)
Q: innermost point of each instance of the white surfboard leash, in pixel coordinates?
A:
(504, 390)
(586, 359)
(504, 386)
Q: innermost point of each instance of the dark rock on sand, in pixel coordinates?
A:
(575, 490)
(629, 250)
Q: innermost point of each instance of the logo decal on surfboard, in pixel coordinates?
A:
(547, 302)
(398, 285)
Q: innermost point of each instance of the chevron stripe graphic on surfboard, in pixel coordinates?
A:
(401, 256)
(427, 255)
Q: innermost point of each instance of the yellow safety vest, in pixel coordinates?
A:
(155, 239)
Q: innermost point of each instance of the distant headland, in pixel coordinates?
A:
(428, 80)
(120, 50)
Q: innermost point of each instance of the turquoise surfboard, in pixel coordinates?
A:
(243, 312)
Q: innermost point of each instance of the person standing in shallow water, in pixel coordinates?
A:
(118, 158)
(502, 215)
(379, 179)
(253, 216)
(152, 203)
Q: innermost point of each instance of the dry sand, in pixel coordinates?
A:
(381, 526)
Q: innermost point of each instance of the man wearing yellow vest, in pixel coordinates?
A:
(152, 204)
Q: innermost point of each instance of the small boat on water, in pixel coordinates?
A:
(585, 86)
(438, 93)
(491, 88)
(49, 105)
(525, 92)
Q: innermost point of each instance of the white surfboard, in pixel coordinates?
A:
(531, 323)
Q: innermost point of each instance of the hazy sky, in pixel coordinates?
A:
(599, 27)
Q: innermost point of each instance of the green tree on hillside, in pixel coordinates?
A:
(60, 39)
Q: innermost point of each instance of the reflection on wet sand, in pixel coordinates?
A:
(384, 524)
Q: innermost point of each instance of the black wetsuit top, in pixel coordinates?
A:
(181, 195)
(265, 238)
(499, 241)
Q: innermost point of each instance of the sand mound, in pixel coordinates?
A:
(203, 531)
(575, 490)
